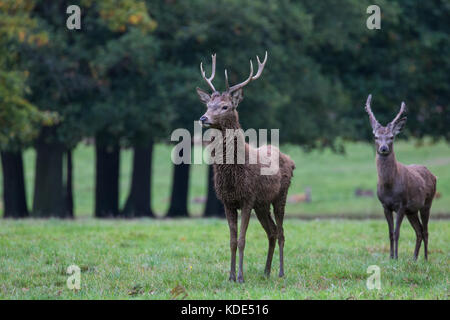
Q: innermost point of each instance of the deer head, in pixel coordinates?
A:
(384, 136)
(221, 107)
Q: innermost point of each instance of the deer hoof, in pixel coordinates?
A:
(240, 279)
(232, 277)
(281, 274)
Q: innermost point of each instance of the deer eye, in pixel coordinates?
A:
(224, 107)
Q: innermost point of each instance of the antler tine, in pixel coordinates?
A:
(260, 67)
(402, 110)
(213, 72)
(227, 85)
(242, 84)
(369, 110)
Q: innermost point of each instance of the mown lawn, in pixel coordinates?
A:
(333, 179)
(146, 259)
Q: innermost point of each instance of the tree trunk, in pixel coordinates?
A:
(48, 184)
(139, 200)
(180, 187)
(107, 180)
(69, 184)
(14, 199)
(214, 207)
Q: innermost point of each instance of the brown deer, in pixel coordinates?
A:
(403, 189)
(242, 186)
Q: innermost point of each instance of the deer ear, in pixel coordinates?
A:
(398, 126)
(237, 97)
(375, 125)
(204, 97)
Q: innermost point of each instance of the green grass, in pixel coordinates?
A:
(146, 259)
(332, 178)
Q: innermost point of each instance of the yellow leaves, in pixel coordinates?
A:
(21, 36)
(39, 39)
(106, 14)
(49, 118)
(126, 13)
(135, 19)
(16, 5)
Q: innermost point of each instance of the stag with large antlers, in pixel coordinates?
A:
(403, 189)
(242, 186)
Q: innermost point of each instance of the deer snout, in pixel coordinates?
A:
(203, 118)
(204, 121)
(383, 149)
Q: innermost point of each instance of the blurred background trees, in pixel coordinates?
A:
(20, 119)
(128, 78)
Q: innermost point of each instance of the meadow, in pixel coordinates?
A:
(189, 258)
(333, 179)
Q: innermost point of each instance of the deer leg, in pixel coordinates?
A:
(245, 218)
(263, 215)
(232, 223)
(398, 223)
(390, 221)
(414, 220)
(279, 217)
(425, 216)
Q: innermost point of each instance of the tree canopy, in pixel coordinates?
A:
(19, 119)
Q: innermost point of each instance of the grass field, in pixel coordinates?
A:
(146, 259)
(333, 179)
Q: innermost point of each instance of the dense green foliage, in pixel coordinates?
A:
(96, 78)
(146, 259)
(19, 119)
(130, 72)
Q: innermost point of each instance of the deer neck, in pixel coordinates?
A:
(387, 169)
(232, 138)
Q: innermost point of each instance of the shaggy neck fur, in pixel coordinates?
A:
(228, 174)
(387, 169)
(231, 135)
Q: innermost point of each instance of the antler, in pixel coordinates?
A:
(213, 72)
(250, 78)
(260, 67)
(372, 118)
(402, 110)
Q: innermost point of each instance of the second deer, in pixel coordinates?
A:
(403, 189)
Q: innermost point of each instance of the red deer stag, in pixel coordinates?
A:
(403, 189)
(242, 186)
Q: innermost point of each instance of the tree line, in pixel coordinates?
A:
(127, 78)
